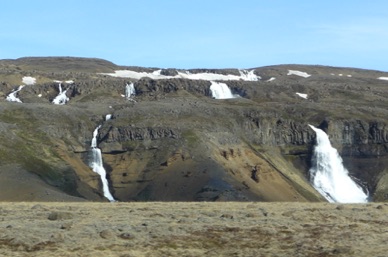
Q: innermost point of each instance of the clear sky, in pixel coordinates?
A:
(200, 33)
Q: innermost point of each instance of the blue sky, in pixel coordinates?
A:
(200, 33)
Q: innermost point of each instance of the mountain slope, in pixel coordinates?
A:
(173, 142)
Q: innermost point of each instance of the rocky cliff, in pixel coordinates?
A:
(173, 142)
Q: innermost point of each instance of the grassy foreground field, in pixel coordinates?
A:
(193, 229)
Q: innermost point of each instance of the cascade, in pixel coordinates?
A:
(328, 175)
(249, 75)
(97, 165)
(130, 90)
(12, 97)
(61, 98)
(220, 91)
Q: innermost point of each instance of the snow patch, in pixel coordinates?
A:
(302, 95)
(298, 73)
(383, 78)
(66, 82)
(29, 80)
(244, 75)
(271, 79)
(341, 75)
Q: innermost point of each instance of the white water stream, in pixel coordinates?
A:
(328, 175)
(12, 97)
(108, 117)
(220, 90)
(130, 90)
(61, 98)
(97, 165)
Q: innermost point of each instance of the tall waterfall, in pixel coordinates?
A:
(220, 90)
(97, 165)
(130, 90)
(61, 98)
(328, 175)
(12, 97)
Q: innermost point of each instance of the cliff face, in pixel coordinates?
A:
(172, 141)
(364, 150)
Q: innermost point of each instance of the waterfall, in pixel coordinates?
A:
(97, 165)
(249, 75)
(61, 98)
(12, 97)
(220, 90)
(130, 90)
(328, 175)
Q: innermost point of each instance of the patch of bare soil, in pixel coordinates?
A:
(193, 229)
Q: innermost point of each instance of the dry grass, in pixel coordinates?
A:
(193, 229)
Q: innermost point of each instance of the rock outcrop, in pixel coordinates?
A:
(173, 142)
